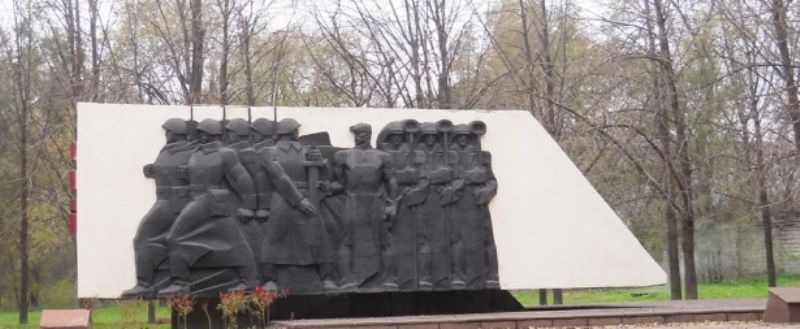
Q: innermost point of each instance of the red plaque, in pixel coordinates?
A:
(65, 319)
(73, 224)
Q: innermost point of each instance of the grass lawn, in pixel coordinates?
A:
(103, 317)
(738, 289)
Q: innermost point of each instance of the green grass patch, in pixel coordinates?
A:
(735, 289)
(119, 316)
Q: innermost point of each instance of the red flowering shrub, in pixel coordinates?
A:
(231, 304)
(261, 299)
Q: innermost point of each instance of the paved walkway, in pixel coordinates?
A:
(706, 325)
(705, 314)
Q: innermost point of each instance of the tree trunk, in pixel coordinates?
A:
(415, 38)
(779, 19)
(93, 15)
(523, 15)
(198, 33)
(246, 36)
(763, 198)
(151, 311)
(558, 297)
(684, 161)
(22, 83)
(223, 64)
(24, 257)
(667, 180)
(549, 73)
(77, 65)
(440, 18)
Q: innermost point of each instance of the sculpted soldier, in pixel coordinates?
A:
(473, 250)
(367, 177)
(205, 234)
(262, 131)
(296, 252)
(397, 139)
(237, 138)
(434, 259)
(172, 192)
(237, 134)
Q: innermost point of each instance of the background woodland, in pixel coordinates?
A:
(684, 114)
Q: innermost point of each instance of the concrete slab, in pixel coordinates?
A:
(552, 228)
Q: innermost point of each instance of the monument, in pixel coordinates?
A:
(350, 210)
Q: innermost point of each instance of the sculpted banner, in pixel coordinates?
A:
(241, 204)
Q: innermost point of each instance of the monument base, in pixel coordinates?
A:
(362, 305)
(783, 305)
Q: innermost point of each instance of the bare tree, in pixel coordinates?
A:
(743, 50)
(667, 179)
(185, 53)
(20, 55)
(780, 13)
(683, 159)
(197, 38)
(226, 9)
(95, 82)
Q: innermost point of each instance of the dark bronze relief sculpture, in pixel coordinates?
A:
(474, 185)
(295, 252)
(366, 177)
(172, 195)
(249, 204)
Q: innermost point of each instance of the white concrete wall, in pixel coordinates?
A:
(552, 228)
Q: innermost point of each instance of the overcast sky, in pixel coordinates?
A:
(283, 12)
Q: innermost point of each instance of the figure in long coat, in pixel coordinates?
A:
(172, 194)
(473, 248)
(237, 138)
(262, 136)
(296, 252)
(206, 234)
(366, 175)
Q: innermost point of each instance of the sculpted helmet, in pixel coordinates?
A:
(411, 126)
(461, 129)
(477, 127)
(238, 126)
(286, 126)
(264, 126)
(176, 126)
(210, 126)
(361, 128)
(391, 128)
(428, 128)
(444, 125)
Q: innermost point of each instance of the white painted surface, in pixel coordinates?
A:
(552, 228)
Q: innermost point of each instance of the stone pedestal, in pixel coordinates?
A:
(783, 305)
(363, 305)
